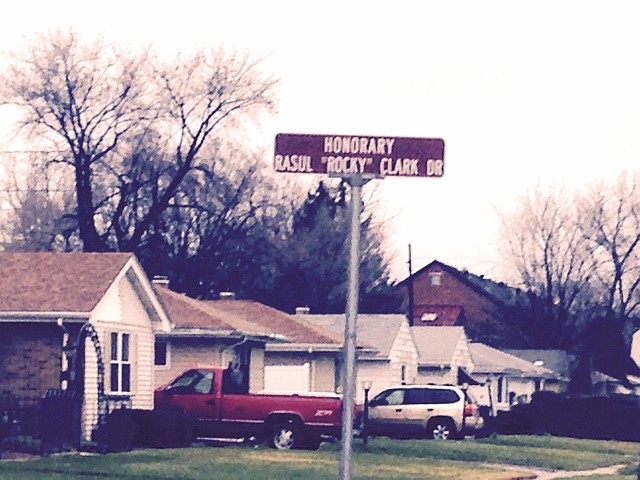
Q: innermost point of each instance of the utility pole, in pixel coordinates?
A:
(410, 291)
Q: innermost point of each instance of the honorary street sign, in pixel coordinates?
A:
(351, 154)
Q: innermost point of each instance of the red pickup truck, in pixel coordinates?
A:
(216, 401)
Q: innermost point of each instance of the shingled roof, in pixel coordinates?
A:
(558, 361)
(243, 317)
(52, 282)
(437, 345)
(487, 359)
(377, 331)
(498, 292)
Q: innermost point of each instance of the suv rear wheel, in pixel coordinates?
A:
(441, 429)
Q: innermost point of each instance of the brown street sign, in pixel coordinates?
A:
(359, 154)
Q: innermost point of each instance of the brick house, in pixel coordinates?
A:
(101, 301)
(491, 312)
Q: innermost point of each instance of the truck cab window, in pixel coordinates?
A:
(235, 380)
(193, 381)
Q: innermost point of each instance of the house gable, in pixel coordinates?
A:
(442, 351)
(403, 354)
(387, 354)
(445, 296)
(63, 294)
(131, 300)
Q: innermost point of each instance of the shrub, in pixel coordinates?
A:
(600, 418)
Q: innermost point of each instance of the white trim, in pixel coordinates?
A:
(143, 281)
(302, 347)
(120, 361)
(200, 332)
(22, 316)
(143, 289)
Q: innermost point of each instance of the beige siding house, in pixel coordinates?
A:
(495, 378)
(301, 367)
(100, 308)
(274, 350)
(387, 354)
(506, 379)
(442, 353)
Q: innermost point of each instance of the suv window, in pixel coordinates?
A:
(445, 396)
(421, 396)
(417, 396)
(390, 397)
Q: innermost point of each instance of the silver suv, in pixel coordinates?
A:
(432, 411)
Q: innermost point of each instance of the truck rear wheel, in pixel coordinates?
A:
(285, 436)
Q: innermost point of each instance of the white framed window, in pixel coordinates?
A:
(429, 317)
(435, 279)
(120, 363)
(161, 353)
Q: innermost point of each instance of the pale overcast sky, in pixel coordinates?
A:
(519, 91)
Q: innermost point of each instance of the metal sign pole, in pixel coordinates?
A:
(355, 156)
(349, 349)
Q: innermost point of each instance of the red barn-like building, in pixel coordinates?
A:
(491, 312)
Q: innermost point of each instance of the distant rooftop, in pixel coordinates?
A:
(378, 331)
(436, 345)
(487, 359)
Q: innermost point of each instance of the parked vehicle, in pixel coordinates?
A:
(217, 402)
(432, 411)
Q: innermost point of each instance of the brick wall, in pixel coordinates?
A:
(481, 316)
(30, 359)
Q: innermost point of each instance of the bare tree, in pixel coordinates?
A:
(221, 236)
(610, 221)
(36, 201)
(581, 256)
(545, 245)
(200, 94)
(131, 128)
(78, 100)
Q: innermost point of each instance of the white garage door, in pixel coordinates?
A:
(287, 378)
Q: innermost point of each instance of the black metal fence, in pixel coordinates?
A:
(54, 423)
(60, 420)
(46, 425)
(19, 424)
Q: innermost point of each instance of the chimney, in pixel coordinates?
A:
(161, 280)
(302, 310)
(227, 296)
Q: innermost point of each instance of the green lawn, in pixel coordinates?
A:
(380, 459)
